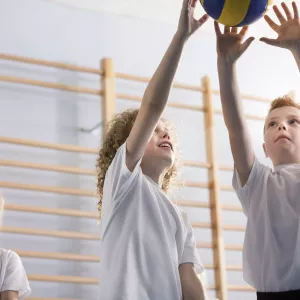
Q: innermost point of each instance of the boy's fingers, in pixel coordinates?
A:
(243, 31)
(295, 9)
(272, 24)
(203, 19)
(226, 29)
(247, 43)
(193, 3)
(287, 11)
(272, 42)
(217, 28)
(279, 15)
(234, 30)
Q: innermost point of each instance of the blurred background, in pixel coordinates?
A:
(50, 211)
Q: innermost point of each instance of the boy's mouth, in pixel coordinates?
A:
(282, 137)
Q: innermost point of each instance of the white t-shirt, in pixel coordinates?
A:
(271, 201)
(144, 238)
(12, 274)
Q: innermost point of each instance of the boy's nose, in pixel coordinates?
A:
(282, 127)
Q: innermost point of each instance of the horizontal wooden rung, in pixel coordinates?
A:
(203, 245)
(169, 104)
(233, 247)
(227, 188)
(50, 233)
(63, 279)
(225, 227)
(195, 184)
(230, 247)
(201, 225)
(234, 268)
(44, 167)
(52, 64)
(47, 189)
(240, 288)
(195, 204)
(234, 228)
(51, 211)
(190, 163)
(247, 97)
(231, 207)
(58, 256)
(200, 204)
(247, 116)
(51, 85)
(146, 80)
(45, 145)
(228, 267)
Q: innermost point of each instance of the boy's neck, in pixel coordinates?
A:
(286, 161)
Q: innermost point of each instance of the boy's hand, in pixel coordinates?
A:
(230, 44)
(187, 22)
(289, 29)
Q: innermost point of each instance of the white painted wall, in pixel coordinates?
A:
(48, 30)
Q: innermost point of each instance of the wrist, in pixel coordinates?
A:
(225, 63)
(180, 37)
(296, 53)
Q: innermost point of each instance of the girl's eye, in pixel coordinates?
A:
(271, 124)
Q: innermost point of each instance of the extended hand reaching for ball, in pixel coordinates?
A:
(230, 45)
(289, 29)
(187, 22)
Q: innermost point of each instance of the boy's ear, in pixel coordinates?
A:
(264, 147)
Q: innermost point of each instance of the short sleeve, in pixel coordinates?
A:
(190, 251)
(254, 184)
(15, 278)
(119, 178)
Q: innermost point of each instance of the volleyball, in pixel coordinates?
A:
(236, 13)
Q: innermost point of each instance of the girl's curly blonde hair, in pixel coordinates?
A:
(118, 131)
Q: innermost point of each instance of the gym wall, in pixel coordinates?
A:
(49, 191)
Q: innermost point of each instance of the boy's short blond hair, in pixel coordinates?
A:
(282, 102)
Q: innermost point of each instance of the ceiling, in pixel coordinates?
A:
(164, 11)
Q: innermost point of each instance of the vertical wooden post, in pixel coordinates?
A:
(109, 92)
(214, 198)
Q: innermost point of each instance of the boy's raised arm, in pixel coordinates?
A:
(229, 49)
(156, 95)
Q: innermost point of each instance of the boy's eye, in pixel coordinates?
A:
(293, 121)
(271, 124)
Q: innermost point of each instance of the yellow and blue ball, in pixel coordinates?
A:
(236, 13)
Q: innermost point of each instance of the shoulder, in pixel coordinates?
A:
(258, 171)
(8, 255)
(10, 259)
(13, 258)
